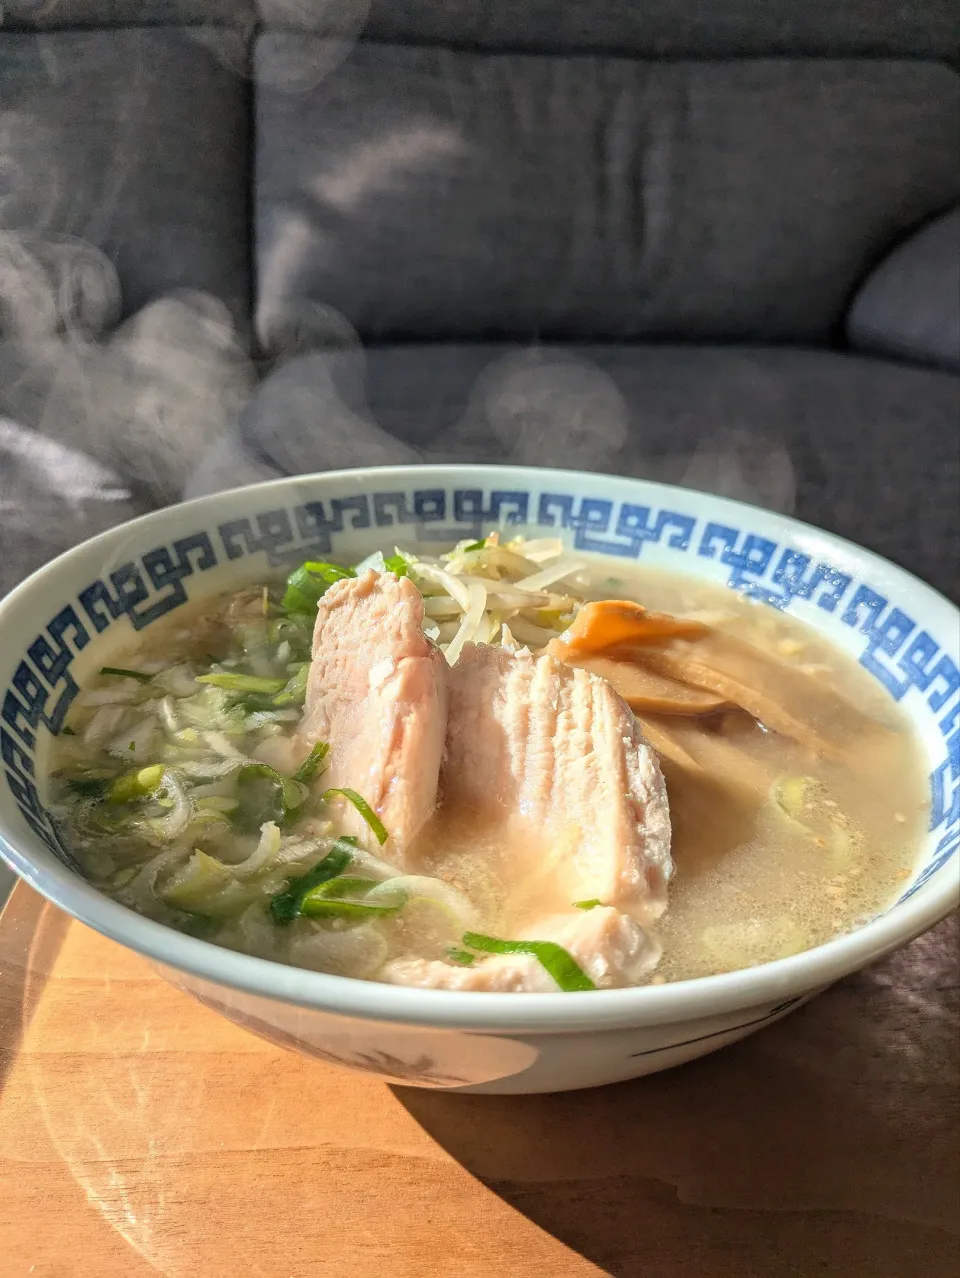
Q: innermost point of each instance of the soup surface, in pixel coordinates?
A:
(188, 790)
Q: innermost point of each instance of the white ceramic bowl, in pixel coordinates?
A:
(61, 624)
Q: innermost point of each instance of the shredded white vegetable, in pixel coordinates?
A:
(474, 591)
(547, 576)
(436, 575)
(540, 549)
(135, 743)
(471, 621)
(181, 798)
(265, 851)
(125, 692)
(102, 724)
(170, 826)
(178, 680)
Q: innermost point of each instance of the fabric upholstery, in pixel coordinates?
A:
(678, 28)
(865, 448)
(664, 28)
(909, 307)
(134, 141)
(46, 14)
(420, 191)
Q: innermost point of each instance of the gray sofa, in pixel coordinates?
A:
(714, 243)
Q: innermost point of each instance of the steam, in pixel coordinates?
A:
(328, 31)
(98, 421)
(148, 398)
(102, 419)
(541, 408)
(735, 464)
(46, 487)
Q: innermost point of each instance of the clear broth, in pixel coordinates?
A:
(752, 884)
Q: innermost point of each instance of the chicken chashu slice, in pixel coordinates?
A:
(377, 693)
(557, 758)
(611, 947)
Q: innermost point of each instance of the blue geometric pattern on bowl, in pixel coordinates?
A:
(896, 651)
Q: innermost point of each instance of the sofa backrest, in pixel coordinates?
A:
(599, 168)
(668, 28)
(426, 191)
(511, 169)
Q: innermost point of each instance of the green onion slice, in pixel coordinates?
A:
(89, 786)
(307, 584)
(135, 785)
(588, 905)
(345, 885)
(294, 691)
(564, 969)
(126, 674)
(234, 682)
(316, 905)
(285, 906)
(475, 545)
(397, 565)
(264, 795)
(297, 630)
(364, 808)
(251, 702)
(462, 958)
(311, 764)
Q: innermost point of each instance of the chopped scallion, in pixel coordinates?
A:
(294, 691)
(365, 810)
(316, 905)
(462, 958)
(397, 565)
(295, 630)
(89, 787)
(475, 545)
(307, 584)
(588, 905)
(233, 682)
(285, 906)
(311, 764)
(560, 965)
(252, 702)
(135, 785)
(126, 674)
(345, 885)
(265, 795)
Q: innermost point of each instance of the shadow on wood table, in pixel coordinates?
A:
(31, 933)
(826, 1145)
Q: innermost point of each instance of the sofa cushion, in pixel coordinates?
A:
(909, 306)
(861, 447)
(424, 192)
(133, 140)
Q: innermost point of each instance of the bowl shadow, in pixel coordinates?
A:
(826, 1144)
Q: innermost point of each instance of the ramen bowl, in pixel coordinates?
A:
(69, 618)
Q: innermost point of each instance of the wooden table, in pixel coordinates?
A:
(141, 1134)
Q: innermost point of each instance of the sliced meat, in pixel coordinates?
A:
(377, 692)
(611, 947)
(554, 749)
(550, 767)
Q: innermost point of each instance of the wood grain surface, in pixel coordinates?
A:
(141, 1134)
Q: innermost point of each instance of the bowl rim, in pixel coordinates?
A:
(649, 1005)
